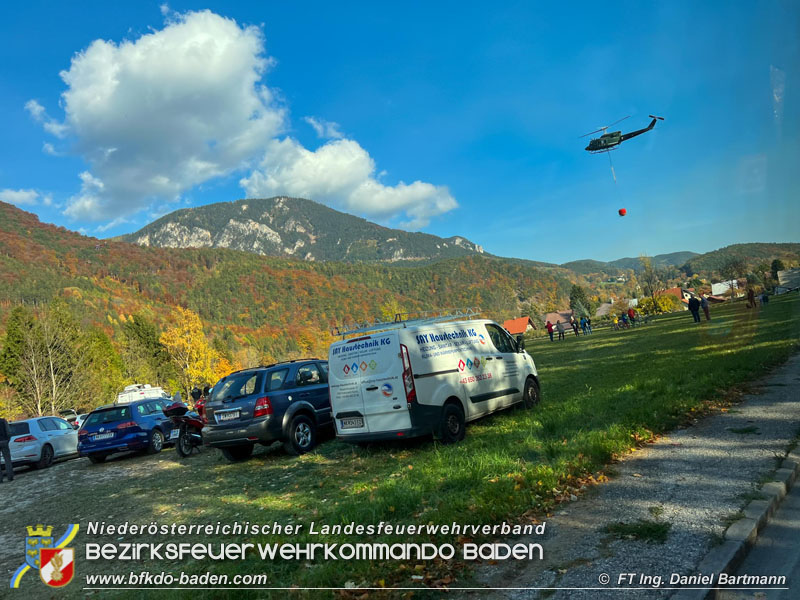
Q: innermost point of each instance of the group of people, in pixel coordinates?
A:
(629, 318)
(751, 298)
(585, 325)
(695, 304)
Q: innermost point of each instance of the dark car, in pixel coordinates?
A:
(287, 402)
(140, 425)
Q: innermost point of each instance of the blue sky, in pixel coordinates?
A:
(475, 109)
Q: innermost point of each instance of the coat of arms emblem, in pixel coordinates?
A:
(38, 537)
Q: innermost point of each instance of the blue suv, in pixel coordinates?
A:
(285, 402)
(140, 425)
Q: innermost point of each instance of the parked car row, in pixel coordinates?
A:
(391, 381)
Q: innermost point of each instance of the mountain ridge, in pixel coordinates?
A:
(295, 227)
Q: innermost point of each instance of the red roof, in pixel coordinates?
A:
(520, 325)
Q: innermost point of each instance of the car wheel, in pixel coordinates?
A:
(302, 435)
(531, 395)
(46, 459)
(156, 442)
(97, 459)
(452, 426)
(237, 453)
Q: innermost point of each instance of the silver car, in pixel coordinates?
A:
(39, 441)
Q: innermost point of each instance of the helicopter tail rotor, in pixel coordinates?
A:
(655, 117)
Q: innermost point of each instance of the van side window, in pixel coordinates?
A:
(500, 339)
(308, 375)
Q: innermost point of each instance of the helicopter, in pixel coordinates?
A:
(609, 141)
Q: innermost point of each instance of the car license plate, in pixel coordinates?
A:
(103, 436)
(352, 423)
(227, 416)
(173, 435)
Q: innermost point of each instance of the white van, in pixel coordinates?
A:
(417, 378)
(140, 391)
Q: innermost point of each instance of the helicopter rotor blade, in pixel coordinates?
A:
(595, 131)
(620, 120)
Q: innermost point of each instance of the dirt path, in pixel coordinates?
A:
(692, 480)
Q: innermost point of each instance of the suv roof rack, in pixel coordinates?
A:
(402, 320)
(282, 362)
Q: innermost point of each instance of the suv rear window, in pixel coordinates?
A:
(19, 428)
(237, 386)
(108, 416)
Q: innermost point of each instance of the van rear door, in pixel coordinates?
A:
(366, 385)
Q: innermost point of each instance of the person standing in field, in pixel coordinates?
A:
(589, 324)
(574, 324)
(751, 298)
(694, 308)
(583, 326)
(560, 327)
(704, 306)
(5, 438)
(550, 330)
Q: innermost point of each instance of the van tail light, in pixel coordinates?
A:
(408, 376)
(127, 424)
(27, 438)
(263, 407)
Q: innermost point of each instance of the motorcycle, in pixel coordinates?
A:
(189, 425)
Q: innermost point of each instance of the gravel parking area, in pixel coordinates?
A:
(694, 479)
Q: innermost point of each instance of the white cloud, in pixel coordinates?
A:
(325, 129)
(19, 197)
(160, 114)
(341, 173)
(164, 8)
(39, 114)
(48, 148)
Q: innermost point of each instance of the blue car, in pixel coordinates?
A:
(137, 426)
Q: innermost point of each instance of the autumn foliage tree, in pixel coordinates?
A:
(188, 347)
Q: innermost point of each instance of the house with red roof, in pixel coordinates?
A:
(519, 326)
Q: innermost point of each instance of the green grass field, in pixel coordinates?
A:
(602, 396)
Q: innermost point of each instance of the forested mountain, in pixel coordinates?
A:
(659, 261)
(753, 255)
(273, 306)
(615, 267)
(295, 227)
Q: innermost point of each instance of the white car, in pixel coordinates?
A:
(39, 441)
(416, 378)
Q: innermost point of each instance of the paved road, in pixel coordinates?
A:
(776, 552)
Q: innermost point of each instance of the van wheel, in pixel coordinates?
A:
(531, 395)
(237, 453)
(156, 442)
(451, 429)
(302, 436)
